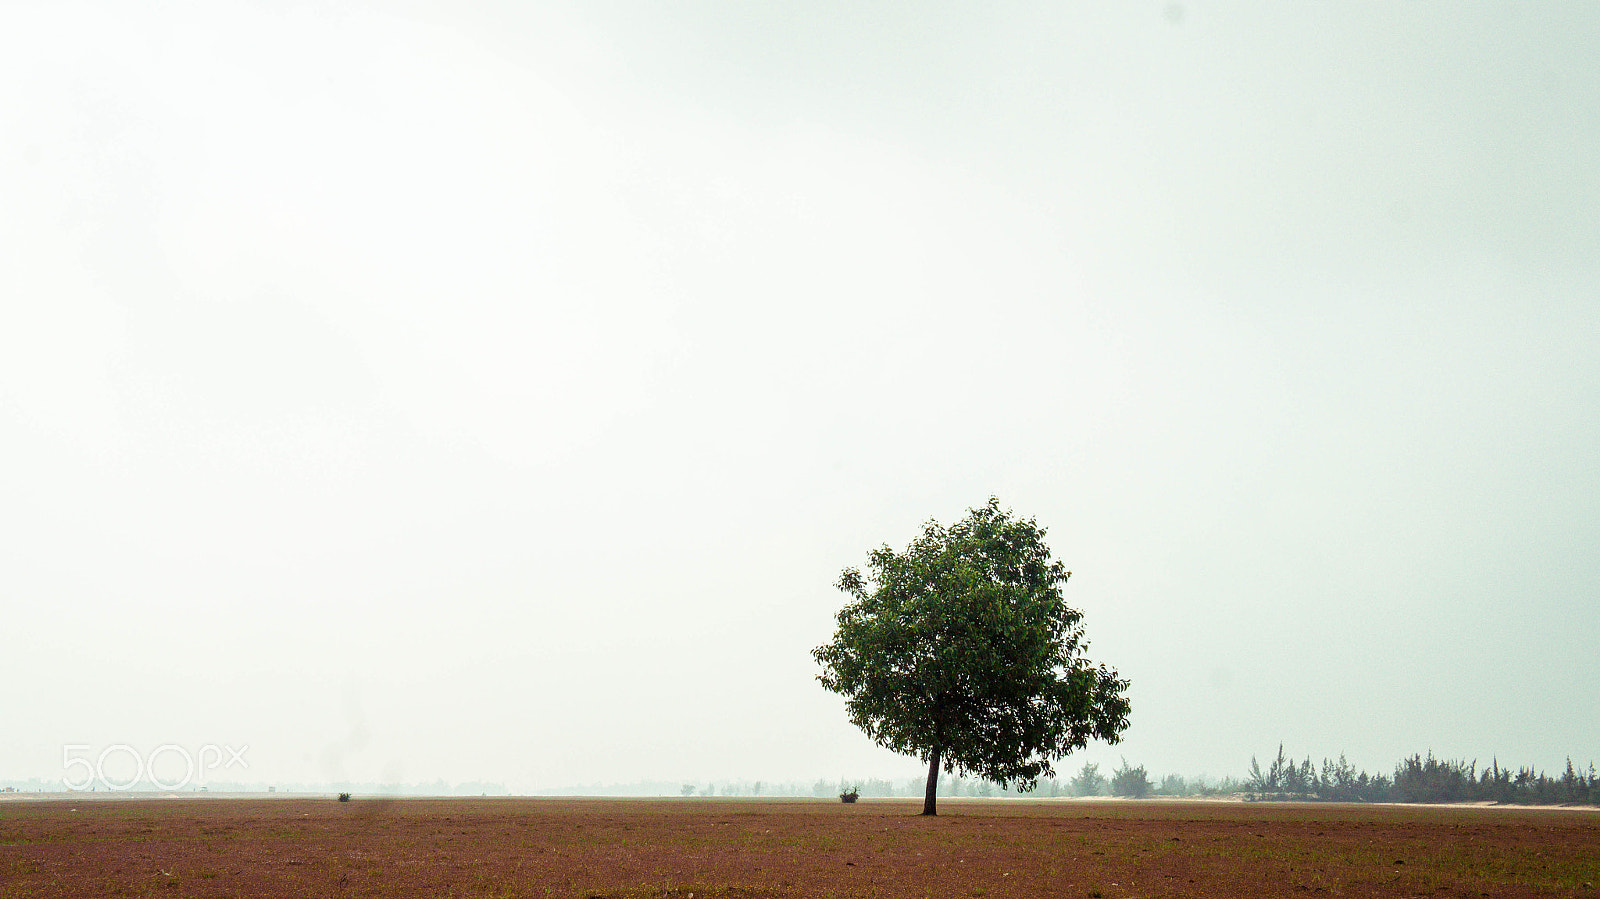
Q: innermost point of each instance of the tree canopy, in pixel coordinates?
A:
(960, 651)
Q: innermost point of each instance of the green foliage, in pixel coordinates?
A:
(1131, 782)
(1422, 779)
(1337, 782)
(1419, 779)
(961, 651)
(1089, 782)
(344, 797)
(850, 794)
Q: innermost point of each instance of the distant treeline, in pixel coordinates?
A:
(1126, 781)
(373, 788)
(1420, 779)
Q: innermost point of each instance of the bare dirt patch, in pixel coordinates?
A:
(736, 848)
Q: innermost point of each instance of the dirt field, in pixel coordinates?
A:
(745, 848)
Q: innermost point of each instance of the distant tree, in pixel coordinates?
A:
(1437, 780)
(1089, 782)
(1270, 782)
(1174, 785)
(1131, 782)
(961, 652)
(688, 789)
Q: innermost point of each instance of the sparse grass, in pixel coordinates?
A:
(725, 848)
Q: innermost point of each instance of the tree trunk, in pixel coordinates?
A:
(930, 799)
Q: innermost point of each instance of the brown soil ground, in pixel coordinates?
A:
(777, 848)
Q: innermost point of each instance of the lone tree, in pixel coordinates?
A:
(961, 652)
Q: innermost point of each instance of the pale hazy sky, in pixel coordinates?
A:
(494, 390)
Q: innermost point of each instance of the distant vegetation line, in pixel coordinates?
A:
(1421, 779)
(373, 788)
(1090, 784)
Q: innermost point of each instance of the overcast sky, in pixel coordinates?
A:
(494, 391)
